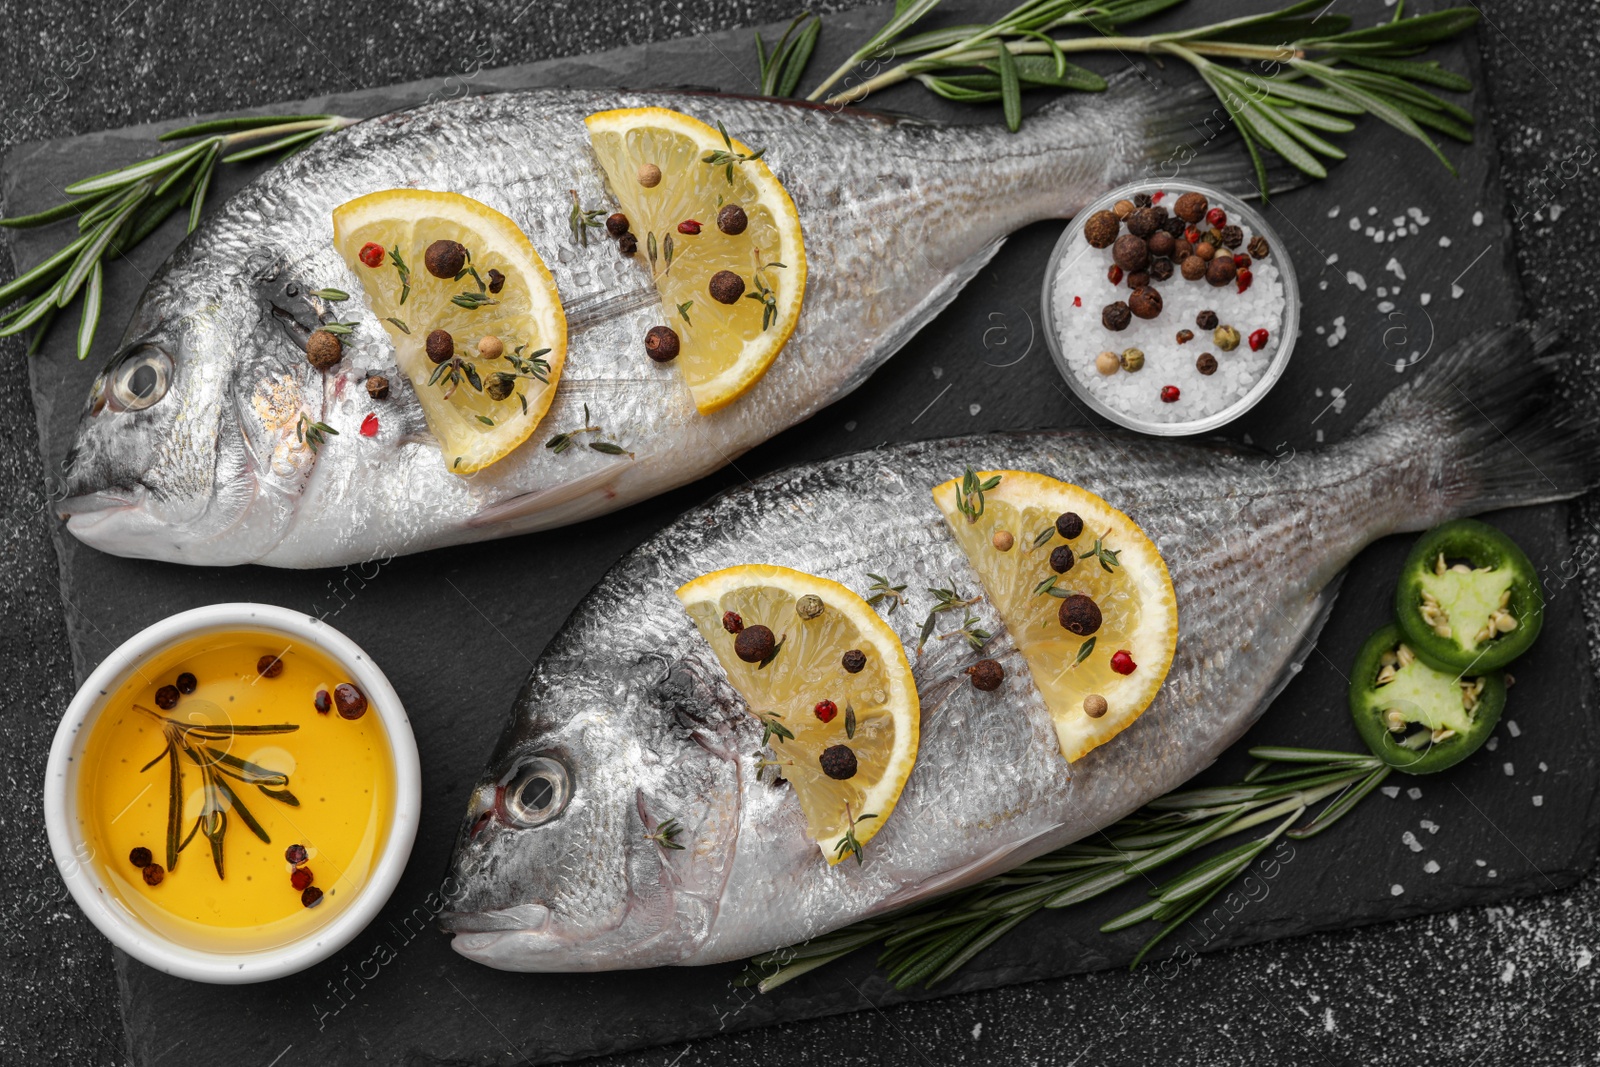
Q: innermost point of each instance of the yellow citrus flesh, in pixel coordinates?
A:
(473, 428)
(1139, 611)
(724, 348)
(807, 669)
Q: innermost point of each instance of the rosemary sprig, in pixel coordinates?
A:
(930, 942)
(118, 209)
(881, 590)
(782, 68)
(666, 835)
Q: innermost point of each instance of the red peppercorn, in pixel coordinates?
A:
(825, 710)
(300, 877)
(1169, 394)
(295, 854)
(371, 254)
(323, 701)
(689, 226)
(1077, 301)
(732, 621)
(1243, 279)
(1122, 662)
(311, 897)
(1155, 198)
(1258, 340)
(1192, 235)
(1217, 217)
(1114, 275)
(1242, 261)
(369, 425)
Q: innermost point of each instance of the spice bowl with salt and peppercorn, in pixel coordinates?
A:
(1170, 308)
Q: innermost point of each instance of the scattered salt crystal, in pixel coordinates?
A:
(1332, 259)
(1481, 863)
(1396, 889)
(1327, 1020)
(1390, 791)
(1512, 728)
(1416, 213)
(1585, 957)
(1493, 873)
(974, 409)
(938, 372)
(1409, 839)
(1456, 291)
(1412, 229)
(1394, 267)
(1538, 801)
(1323, 284)
(1319, 437)
(1369, 231)
(1400, 365)
(1355, 223)
(1382, 290)
(1432, 866)
(1426, 299)
(1492, 744)
(1444, 242)
(1378, 237)
(1333, 212)
(1510, 770)
(1320, 331)
(1372, 211)
(1414, 793)
(977, 1030)
(1543, 766)
(1429, 825)
(1399, 220)
(1385, 306)
(1509, 972)
(850, 426)
(1555, 212)
(1477, 218)
(1355, 279)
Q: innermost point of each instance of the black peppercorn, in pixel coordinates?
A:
(322, 701)
(444, 259)
(1101, 228)
(1161, 270)
(311, 897)
(1206, 364)
(1220, 271)
(351, 702)
(616, 224)
(1162, 243)
(1062, 558)
(986, 675)
(1130, 252)
(754, 643)
(187, 683)
(1191, 207)
(140, 857)
(378, 387)
(1116, 316)
(732, 220)
(661, 344)
(1145, 302)
(1142, 200)
(1193, 268)
(269, 666)
(1080, 615)
(853, 661)
(726, 287)
(1232, 236)
(1069, 524)
(497, 281)
(838, 762)
(1144, 222)
(167, 697)
(324, 349)
(627, 244)
(1259, 247)
(1206, 320)
(440, 346)
(1174, 226)
(153, 874)
(1138, 279)
(732, 621)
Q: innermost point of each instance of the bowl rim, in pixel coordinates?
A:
(1289, 332)
(74, 856)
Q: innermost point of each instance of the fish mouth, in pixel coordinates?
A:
(92, 506)
(528, 918)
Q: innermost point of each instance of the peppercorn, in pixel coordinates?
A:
(1220, 271)
(1115, 316)
(1206, 363)
(1107, 363)
(726, 287)
(490, 346)
(1161, 270)
(1205, 250)
(500, 387)
(140, 857)
(627, 244)
(732, 621)
(986, 675)
(440, 346)
(1142, 200)
(1003, 540)
(311, 897)
(1145, 303)
(808, 606)
(1191, 207)
(1173, 227)
(853, 660)
(1069, 524)
(269, 666)
(1244, 278)
(1217, 217)
(1182, 249)
(322, 701)
(1241, 261)
(445, 259)
(1206, 320)
(838, 762)
(1131, 252)
(1259, 247)
(1143, 223)
(825, 710)
(1232, 236)
(1214, 236)
(1193, 268)
(1225, 338)
(1132, 359)
(351, 702)
(1258, 340)
(371, 254)
(497, 281)
(324, 349)
(732, 220)
(1114, 274)
(616, 224)
(1170, 394)
(153, 874)
(689, 227)
(1079, 614)
(1138, 279)
(295, 854)
(661, 344)
(167, 697)
(1094, 705)
(1159, 213)
(649, 175)
(1161, 243)
(1122, 662)
(378, 387)
(1185, 336)
(754, 643)
(300, 877)
(1100, 229)
(187, 683)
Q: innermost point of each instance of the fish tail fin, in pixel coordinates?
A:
(1485, 418)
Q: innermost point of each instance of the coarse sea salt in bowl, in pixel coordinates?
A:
(1079, 287)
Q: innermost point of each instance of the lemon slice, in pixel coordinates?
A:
(1126, 581)
(459, 398)
(724, 348)
(874, 709)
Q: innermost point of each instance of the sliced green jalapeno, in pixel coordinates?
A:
(1413, 717)
(1468, 598)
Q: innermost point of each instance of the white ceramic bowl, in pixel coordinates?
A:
(99, 901)
(1072, 243)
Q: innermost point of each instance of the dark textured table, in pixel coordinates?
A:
(1501, 983)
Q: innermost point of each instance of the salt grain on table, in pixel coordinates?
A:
(1432, 866)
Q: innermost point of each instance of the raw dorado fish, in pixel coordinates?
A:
(897, 216)
(628, 721)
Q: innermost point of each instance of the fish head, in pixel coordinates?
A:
(603, 831)
(191, 445)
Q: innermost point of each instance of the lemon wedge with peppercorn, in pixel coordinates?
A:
(1083, 591)
(471, 309)
(829, 682)
(718, 234)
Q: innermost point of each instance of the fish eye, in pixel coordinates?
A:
(535, 792)
(139, 379)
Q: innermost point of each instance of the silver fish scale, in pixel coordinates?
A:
(1251, 550)
(897, 215)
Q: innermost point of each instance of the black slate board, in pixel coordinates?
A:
(980, 367)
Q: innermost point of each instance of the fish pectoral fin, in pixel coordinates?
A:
(995, 861)
(526, 505)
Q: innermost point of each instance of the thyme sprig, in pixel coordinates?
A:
(453, 372)
(399, 263)
(666, 835)
(928, 943)
(582, 220)
(772, 726)
(312, 433)
(969, 630)
(969, 501)
(1286, 78)
(848, 844)
(882, 590)
(1106, 557)
(728, 157)
(119, 208)
(559, 443)
(944, 600)
(764, 294)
